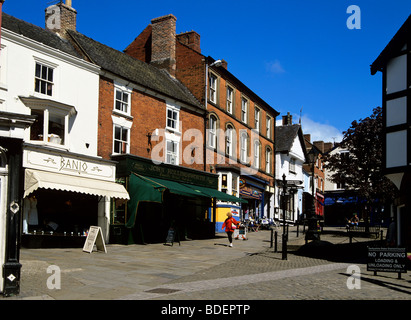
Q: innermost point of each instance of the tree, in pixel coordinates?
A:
(361, 170)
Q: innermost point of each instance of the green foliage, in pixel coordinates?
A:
(362, 169)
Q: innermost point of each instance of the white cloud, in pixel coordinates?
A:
(275, 67)
(318, 131)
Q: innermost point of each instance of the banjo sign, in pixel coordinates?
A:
(69, 164)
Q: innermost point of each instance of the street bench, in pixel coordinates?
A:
(361, 230)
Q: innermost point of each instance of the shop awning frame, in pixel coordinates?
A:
(190, 190)
(212, 193)
(36, 179)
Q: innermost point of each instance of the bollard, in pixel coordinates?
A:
(272, 235)
(276, 243)
(284, 250)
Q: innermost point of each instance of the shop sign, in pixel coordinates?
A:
(251, 192)
(72, 165)
(94, 237)
(235, 212)
(178, 174)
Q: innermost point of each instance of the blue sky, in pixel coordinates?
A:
(296, 55)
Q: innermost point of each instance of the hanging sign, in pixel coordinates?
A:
(94, 237)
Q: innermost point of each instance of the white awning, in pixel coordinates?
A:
(35, 179)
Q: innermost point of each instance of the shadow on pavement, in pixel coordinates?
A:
(346, 252)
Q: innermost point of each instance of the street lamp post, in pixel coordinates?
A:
(285, 235)
(312, 232)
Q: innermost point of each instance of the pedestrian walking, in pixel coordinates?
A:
(230, 224)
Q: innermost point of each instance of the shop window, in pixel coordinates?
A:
(224, 183)
(234, 184)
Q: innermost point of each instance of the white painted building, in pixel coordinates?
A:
(290, 155)
(43, 78)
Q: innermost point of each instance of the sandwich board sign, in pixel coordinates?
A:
(94, 237)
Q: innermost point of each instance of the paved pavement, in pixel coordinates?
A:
(210, 270)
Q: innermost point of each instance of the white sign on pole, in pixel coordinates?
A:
(94, 237)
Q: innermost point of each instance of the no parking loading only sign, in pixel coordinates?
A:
(387, 260)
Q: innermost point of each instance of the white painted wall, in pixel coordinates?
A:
(76, 84)
(282, 163)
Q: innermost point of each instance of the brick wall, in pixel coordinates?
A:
(148, 113)
(140, 48)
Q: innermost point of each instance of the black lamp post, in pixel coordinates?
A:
(285, 235)
(312, 232)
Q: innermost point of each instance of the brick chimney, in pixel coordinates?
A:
(163, 47)
(287, 120)
(61, 17)
(319, 145)
(191, 39)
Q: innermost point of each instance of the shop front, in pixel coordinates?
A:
(163, 197)
(65, 194)
(253, 192)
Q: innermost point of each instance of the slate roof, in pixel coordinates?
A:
(285, 136)
(38, 34)
(107, 58)
(133, 70)
(394, 46)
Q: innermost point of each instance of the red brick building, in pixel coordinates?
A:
(319, 176)
(240, 125)
(153, 126)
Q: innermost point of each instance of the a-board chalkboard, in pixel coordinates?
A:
(171, 236)
(94, 237)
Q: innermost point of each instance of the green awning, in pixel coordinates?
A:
(148, 189)
(142, 190)
(212, 193)
(177, 188)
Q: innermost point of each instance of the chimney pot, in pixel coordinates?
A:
(191, 39)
